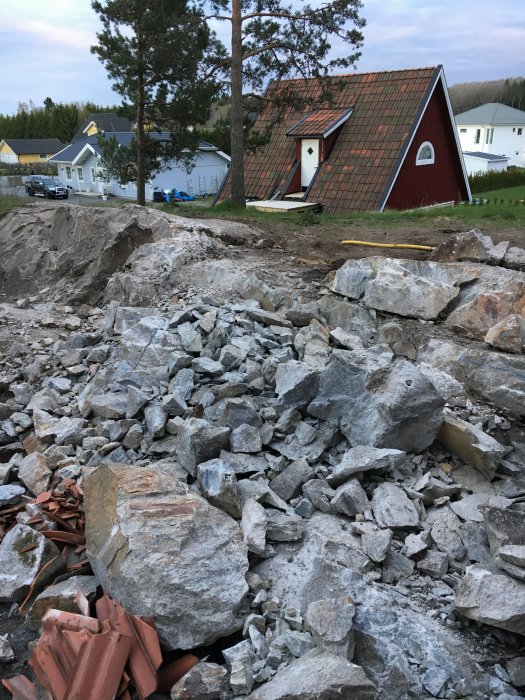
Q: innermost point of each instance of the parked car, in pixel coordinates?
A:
(45, 186)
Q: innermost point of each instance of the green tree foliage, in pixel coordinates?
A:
(54, 120)
(271, 39)
(152, 51)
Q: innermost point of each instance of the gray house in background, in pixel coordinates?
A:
(81, 169)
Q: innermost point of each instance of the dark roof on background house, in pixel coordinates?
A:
(26, 146)
(386, 108)
(106, 121)
(69, 153)
(485, 156)
(493, 113)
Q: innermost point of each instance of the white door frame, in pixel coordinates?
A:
(309, 160)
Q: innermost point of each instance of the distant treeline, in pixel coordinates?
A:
(58, 120)
(508, 91)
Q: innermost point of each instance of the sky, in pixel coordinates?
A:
(44, 46)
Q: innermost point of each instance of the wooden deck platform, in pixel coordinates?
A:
(281, 205)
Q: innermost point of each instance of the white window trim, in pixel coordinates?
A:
(93, 175)
(425, 161)
(69, 175)
(80, 174)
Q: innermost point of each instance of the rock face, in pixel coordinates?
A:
(142, 525)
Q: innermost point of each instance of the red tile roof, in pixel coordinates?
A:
(386, 107)
(319, 123)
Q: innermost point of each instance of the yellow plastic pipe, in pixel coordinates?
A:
(405, 246)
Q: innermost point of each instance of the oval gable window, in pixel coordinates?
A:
(425, 155)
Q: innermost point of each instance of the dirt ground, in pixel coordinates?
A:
(318, 245)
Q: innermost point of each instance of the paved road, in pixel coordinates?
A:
(85, 200)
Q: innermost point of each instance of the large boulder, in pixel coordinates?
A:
(412, 288)
(164, 551)
(378, 402)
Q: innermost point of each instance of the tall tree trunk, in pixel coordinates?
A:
(237, 137)
(141, 145)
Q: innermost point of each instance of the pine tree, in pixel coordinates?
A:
(273, 40)
(152, 50)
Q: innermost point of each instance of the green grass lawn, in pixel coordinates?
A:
(10, 201)
(494, 212)
(509, 194)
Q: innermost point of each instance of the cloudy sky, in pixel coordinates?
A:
(44, 46)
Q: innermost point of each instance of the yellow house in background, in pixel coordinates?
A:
(28, 150)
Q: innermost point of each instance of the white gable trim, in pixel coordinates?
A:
(89, 126)
(439, 77)
(87, 147)
(224, 155)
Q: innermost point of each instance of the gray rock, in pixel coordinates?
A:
(508, 335)
(415, 545)
(62, 596)
(232, 357)
(432, 488)
(504, 526)
(199, 441)
(190, 338)
(469, 507)
(245, 438)
(219, 486)
(267, 317)
(283, 527)
(239, 662)
(376, 543)
(350, 498)
(434, 679)
(297, 643)
(205, 681)
(499, 378)
(253, 526)
(320, 495)
(135, 400)
(22, 393)
(23, 552)
(110, 405)
(446, 533)
(288, 483)
(362, 459)
(474, 538)
(234, 412)
(10, 493)
(155, 417)
(6, 653)
(35, 473)
(331, 624)
(513, 553)
(392, 507)
(495, 295)
(516, 671)
(287, 420)
(396, 567)
(205, 365)
(133, 438)
(471, 444)
(296, 383)
(317, 676)
(494, 599)
(378, 402)
(412, 288)
(434, 564)
(188, 551)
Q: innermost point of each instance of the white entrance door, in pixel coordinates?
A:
(309, 160)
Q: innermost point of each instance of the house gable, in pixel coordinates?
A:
(442, 178)
(367, 150)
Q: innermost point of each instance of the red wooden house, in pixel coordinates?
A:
(386, 141)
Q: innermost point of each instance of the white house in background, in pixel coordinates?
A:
(80, 168)
(494, 128)
(478, 162)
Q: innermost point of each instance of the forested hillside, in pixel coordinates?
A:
(50, 121)
(508, 91)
